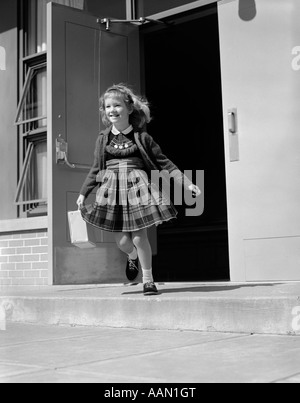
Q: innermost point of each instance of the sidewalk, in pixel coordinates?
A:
(52, 354)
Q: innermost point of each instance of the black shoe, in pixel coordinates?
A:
(150, 289)
(132, 269)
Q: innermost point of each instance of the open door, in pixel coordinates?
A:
(261, 98)
(83, 60)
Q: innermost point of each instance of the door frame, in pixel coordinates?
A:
(182, 9)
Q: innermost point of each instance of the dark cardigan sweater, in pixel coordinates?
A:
(151, 153)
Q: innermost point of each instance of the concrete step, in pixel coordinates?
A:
(261, 308)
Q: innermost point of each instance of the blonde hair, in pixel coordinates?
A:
(138, 105)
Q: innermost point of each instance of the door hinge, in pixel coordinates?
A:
(141, 21)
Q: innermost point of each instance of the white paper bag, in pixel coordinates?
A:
(82, 235)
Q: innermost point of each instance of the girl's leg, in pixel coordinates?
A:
(125, 244)
(142, 244)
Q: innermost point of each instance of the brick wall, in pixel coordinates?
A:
(24, 258)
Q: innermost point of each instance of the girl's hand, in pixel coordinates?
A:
(196, 191)
(80, 201)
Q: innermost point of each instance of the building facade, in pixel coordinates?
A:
(223, 81)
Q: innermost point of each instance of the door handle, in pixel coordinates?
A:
(233, 131)
(62, 155)
(232, 123)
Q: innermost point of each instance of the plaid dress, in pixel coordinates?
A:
(126, 200)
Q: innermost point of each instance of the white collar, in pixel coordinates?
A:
(116, 131)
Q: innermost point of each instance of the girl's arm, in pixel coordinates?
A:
(90, 183)
(165, 163)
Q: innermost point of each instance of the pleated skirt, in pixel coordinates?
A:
(126, 200)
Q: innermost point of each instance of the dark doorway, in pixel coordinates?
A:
(183, 84)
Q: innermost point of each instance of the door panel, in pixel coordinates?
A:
(81, 90)
(263, 186)
(83, 60)
(114, 65)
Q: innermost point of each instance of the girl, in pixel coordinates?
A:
(126, 203)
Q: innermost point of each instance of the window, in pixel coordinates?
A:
(33, 103)
(31, 115)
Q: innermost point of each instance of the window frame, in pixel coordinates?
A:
(27, 85)
(28, 132)
(32, 140)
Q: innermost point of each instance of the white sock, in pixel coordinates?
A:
(133, 255)
(147, 276)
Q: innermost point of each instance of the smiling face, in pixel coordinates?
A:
(117, 112)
